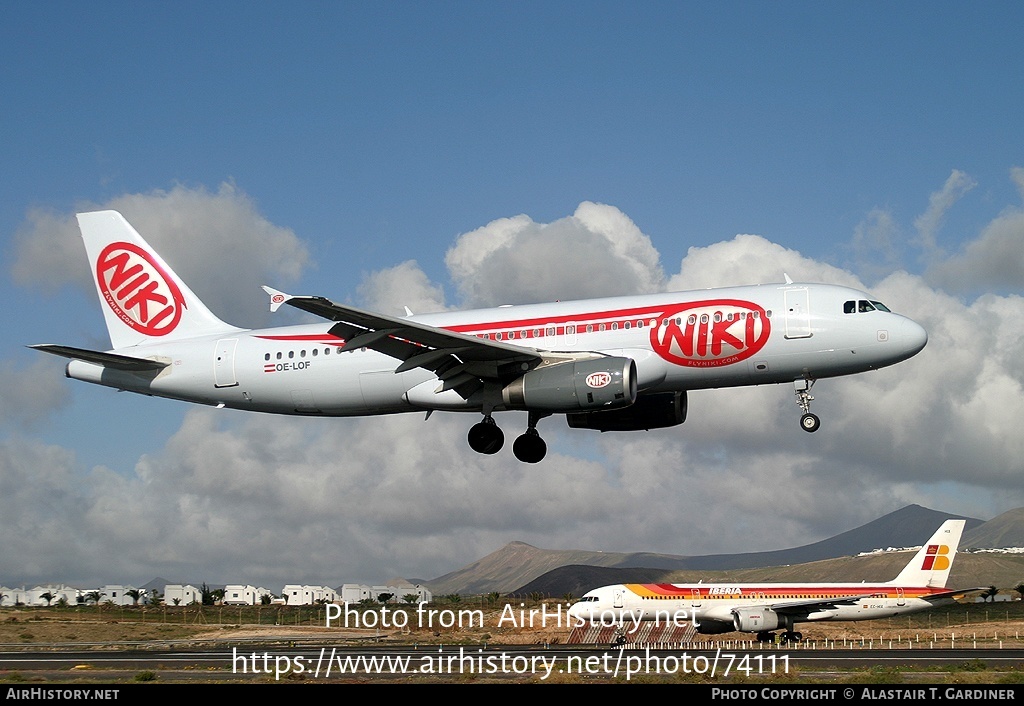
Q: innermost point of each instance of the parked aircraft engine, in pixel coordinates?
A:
(654, 411)
(756, 619)
(598, 383)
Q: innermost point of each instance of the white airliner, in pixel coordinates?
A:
(764, 607)
(613, 364)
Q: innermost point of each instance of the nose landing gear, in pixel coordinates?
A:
(808, 422)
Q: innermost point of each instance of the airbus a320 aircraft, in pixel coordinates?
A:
(762, 608)
(613, 364)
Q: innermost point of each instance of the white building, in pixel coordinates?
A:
(178, 594)
(355, 592)
(295, 594)
(118, 595)
(13, 596)
(237, 594)
(56, 594)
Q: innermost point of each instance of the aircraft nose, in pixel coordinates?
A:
(913, 336)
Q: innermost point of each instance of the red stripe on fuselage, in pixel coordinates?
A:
(704, 591)
(578, 319)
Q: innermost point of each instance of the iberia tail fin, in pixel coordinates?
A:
(143, 300)
(932, 563)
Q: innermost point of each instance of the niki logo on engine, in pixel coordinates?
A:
(137, 290)
(713, 333)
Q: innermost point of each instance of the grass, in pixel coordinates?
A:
(986, 625)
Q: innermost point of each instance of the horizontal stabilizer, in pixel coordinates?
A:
(107, 360)
(954, 594)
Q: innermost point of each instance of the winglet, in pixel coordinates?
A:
(788, 280)
(277, 298)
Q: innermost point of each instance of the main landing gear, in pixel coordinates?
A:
(486, 437)
(808, 422)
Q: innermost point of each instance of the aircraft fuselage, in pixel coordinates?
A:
(680, 341)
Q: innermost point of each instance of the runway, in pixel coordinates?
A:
(528, 663)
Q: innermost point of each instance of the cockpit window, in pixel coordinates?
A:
(862, 306)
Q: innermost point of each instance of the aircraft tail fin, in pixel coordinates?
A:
(142, 299)
(932, 562)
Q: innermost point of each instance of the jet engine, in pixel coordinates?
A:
(756, 619)
(598, 383)
(654, 411)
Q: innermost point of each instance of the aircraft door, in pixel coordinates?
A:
(617, 598)
(224, 363)
(901, 598)
(798, 313)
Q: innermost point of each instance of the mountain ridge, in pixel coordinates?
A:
(513, 568)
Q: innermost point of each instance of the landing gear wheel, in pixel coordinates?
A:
(765, 637)
(529, 447)
(810, 422)
(486, 437)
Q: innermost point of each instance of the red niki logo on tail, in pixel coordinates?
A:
(936, 559)
(709, 334)
(138, 290)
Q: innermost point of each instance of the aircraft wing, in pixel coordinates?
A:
(107, 360)
(812, 604)
(463, 363)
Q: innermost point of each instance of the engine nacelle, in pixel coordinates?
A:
(654, 411)
(599, 383)
(756, 619)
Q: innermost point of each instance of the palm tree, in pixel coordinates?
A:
(990, 593)
(94, 596)
(48, 597)
(135, 594)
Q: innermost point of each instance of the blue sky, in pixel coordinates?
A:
(369, 151)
